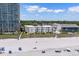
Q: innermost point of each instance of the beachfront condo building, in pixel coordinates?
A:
(9, 17)
(39, 28)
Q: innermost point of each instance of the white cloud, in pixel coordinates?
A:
(59, 10)
(74, 9)
(49, 10)
(32, 8)
(42, 9)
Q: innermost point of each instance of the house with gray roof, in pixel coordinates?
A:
(69, 27)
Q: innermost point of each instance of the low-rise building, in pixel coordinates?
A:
(30, 28)
(38, 28)
(47, 28)
(69, 27)
(51, 28)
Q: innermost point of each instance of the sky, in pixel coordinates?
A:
(49, 11)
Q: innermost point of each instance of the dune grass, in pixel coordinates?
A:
(32, 35)
(3, 36)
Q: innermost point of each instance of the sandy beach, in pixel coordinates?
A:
(34, 46)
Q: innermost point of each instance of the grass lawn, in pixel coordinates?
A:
(26, 35)
(3, 36)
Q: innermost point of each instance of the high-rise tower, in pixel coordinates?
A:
(9, 17)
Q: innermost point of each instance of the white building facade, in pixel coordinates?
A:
(39, 28)
(46, 28)
(30, 28)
